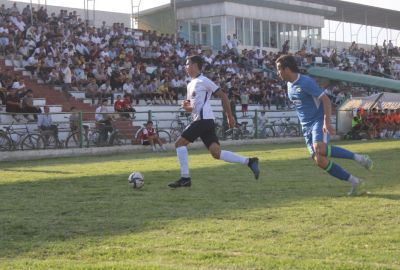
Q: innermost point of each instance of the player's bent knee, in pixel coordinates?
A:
(216, 155)
(321, 161)
(181, 142)
(215, 150)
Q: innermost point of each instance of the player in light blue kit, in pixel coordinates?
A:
(313, 108)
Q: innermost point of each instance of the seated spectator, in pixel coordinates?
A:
(32, 64)
(128, 89)
(124, 106)
(3, 94)
(164, 93)
(105, 91)
(45, 124)
(13, 103)
(148, 136)
(28, 107)
(92, 90)
(19, 84)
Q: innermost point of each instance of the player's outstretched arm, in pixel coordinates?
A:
(227, 107)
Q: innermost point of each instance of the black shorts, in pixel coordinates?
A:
(205, 129)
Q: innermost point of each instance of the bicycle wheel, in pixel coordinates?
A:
(73, 141)
(232, 134)
(164, 136)
(115, 139)
(5, 142)
(33, 141)
(93, 139)
(291, 131)
(219, 132)
(267, 132)
(50, 141)
(174, 134)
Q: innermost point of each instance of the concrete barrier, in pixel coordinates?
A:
(102, 151)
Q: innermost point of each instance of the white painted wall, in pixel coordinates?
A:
(239, 10)
(100, 16)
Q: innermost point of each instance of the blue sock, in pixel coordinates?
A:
(337, 171)
(338, 152)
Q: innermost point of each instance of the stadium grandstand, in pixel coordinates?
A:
(71, 61)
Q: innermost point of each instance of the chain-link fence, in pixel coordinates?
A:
(101, 129)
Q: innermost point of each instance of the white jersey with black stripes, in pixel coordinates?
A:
(199, 92)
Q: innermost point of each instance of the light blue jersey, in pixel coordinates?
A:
(305, 93)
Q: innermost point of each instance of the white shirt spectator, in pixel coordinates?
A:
(18, 85)
(67, 75)
(44, 120)
(19, 23)
(32, 61)
(128, 87)
(99, 113)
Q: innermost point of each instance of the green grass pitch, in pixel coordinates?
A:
(79, 213)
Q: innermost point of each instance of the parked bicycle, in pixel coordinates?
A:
(51, 139)
(92, 137)
(239, 132)
(182, 120)
(164, 135)
(279, 128)
(12, 139)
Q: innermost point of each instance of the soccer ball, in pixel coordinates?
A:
(136, 180)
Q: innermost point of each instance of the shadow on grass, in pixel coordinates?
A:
(394, 197)
(34, 214)
(35, 171)
(135, 156)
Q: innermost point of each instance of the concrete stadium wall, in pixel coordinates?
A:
(100, 16)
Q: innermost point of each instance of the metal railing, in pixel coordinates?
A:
(81, 129)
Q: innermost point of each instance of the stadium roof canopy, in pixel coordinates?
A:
(335, 10)
(291, 5)
(362, 14)
(368, 80)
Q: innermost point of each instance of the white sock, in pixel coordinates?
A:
(232, 157)
(183, 157)
(358, 157)
(154, 148)
(353, 180)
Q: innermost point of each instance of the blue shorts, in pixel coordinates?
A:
(313, 135)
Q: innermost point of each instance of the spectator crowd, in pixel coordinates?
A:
(62, 49)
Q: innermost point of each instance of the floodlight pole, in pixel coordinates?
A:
(87, 11)
(397, 39)
(135, 5)
(176, 22)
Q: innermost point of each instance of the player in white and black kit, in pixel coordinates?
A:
(199, 92)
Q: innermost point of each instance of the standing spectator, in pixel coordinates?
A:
(244, 100)
(103, 121)
(235, 45)
(66, 76)
(45, 123)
